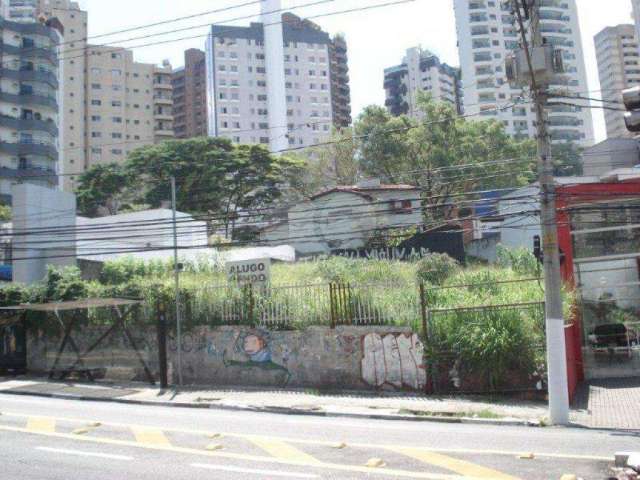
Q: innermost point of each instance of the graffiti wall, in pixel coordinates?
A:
(353, 358)
(394, 360)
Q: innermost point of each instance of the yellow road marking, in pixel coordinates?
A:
(461, 467)
(251, 458)
(471, 451)
(150, 436)
(41, 424)
(279, 449)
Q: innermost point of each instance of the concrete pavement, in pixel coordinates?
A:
(55, 439)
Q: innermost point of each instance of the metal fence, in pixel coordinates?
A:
(281, 307)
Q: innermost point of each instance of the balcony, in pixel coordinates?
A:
(168, 117)
(158, 100)
(22, 124)
(29, 148)
(29, 99)
(30, 52)
(26, 75)
(36, 173)
(163, 85)
(164, 134)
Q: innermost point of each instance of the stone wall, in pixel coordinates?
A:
(318, 357)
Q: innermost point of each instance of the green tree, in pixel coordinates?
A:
(213, 176)
(5, 213)
(443, 153)
(567, 159)
(102, 189)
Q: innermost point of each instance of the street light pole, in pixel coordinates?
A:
(176, 272)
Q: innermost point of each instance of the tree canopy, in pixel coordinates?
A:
(213, 177)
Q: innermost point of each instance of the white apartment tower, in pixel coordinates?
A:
(487, 33)
(421, 71)
(275, 82)
(618, 68)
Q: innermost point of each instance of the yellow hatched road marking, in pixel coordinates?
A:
(461, 467)
(279, 449)
(251, 458)
(150, 436)
(41, 424)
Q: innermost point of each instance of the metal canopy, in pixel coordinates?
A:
(83, 304)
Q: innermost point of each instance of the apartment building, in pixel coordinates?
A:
(111, 103)
(421, 71)
(487, 33)
(618, 58)
(29, 102)
(190, 95)
(272, 83)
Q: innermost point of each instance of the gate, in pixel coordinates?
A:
(13, 345)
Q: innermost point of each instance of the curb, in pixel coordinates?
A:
(284, 410)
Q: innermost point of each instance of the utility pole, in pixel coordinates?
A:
(542, 62)
(176, 273)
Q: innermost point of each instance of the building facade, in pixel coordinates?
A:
(487, 33)
(111, 104)
(421, 71)
(189, 96)
(340, 90)
(30, 112)
(618, 58)
(271, 82)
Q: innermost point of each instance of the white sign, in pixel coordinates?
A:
(255, 271)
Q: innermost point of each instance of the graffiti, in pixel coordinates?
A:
(251, 350)
(393, 359)
(347, 343)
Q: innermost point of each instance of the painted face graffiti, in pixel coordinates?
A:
(256, 348)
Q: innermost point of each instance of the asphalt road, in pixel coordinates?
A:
(51, 439)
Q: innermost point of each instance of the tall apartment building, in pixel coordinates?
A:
(618, 58)
(111, 103)
(190, 96)
(421, 71)
(273, 82)
(487, 33)
(636, 15)
(29, 101)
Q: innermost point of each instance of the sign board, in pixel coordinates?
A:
(254, 271)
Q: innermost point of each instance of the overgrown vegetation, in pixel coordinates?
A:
(489, 342)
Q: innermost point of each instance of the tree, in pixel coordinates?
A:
(443, 153)
(5, 213)
(102, 189)
(567, 159)
(213, 176)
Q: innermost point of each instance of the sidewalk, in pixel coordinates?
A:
(292, 401)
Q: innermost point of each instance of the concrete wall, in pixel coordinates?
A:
(50, 212)
(318, 357)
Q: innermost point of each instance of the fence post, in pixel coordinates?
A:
(251, 304)
(162, 344)
(331, 305)
(428, 386)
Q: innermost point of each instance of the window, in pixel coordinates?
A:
(116, 151)
(96, 102)
(96, 150)
(116, 135)
(96, 86)
(117, 119)
(115, 73)
(96, 71)
(96, 134)
(96, 118)
(116, 103)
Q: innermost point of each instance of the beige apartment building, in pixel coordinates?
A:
(111, 104)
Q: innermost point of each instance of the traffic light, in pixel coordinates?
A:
(631, 100)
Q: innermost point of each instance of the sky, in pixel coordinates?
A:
(376, 38)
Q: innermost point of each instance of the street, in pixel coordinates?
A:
(67, 439)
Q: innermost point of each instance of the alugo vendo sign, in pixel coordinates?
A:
(255, 271)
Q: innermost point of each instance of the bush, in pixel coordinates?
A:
(64, 284)
(520, 260)
(436, 268)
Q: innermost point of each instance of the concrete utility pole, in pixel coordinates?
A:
(540, 66)
(176, 272)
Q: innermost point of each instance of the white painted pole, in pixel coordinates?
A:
(176, 270)
(274, 61)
